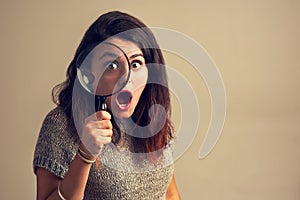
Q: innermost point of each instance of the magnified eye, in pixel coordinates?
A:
(112, 66)
(136, 65)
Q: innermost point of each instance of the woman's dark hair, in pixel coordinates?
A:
(118, 23)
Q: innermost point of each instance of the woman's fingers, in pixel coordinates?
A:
(99, 125)
(102, 115)
(97, 131)
(98, 116)
(103, 140)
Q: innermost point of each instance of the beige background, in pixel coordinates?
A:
(256, 46)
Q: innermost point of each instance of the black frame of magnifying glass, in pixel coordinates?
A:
(100, 103)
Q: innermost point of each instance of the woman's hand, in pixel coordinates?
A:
(96, 132)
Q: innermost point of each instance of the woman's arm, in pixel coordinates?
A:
(71, 187)
(172, 191)
(96, 132)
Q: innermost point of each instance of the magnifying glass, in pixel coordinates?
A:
(103, 70)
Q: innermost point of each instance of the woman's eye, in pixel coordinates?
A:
(112, 66)
(136, 65)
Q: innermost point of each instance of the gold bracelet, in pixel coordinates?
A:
(85, 154)
(59, 193)
(80, 154)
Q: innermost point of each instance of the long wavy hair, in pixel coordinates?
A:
(108, 25)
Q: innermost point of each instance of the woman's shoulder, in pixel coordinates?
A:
(57, 143)
(57, 118)
(56, 114)
(57, 122)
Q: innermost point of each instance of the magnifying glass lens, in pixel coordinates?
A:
(105, 70)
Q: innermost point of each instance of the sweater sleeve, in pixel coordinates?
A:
(56, 145)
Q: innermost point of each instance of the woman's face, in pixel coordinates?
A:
(123, 103)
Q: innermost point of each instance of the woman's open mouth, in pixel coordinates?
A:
(123, 99)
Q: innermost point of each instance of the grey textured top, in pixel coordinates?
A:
(121, 173)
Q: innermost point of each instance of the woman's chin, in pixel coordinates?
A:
(122, 114)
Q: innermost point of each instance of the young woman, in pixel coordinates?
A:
(115, 153)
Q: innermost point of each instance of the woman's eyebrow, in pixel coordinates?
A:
(109, 54)
(136, 55)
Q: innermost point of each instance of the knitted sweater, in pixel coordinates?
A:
(121, 174)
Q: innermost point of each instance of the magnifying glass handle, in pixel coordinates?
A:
(100, 103)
